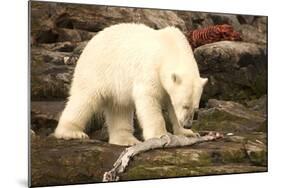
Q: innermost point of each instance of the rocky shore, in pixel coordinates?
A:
(234, 101)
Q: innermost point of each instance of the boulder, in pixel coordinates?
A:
(236, 70)
(229, 19)
(261, 23)
(230, 117)
(246, 19)
(251, 34)
(259, 104)
(195, 20)
(50, 75)
(45, 116)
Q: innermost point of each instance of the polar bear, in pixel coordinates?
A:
(129, 68)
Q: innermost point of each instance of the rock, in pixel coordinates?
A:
(59, 46)
(187, 18)
(246, 19)
(257, 152)
(79, 49)
(45, 116)
(236, 70)
(259, 105)
(60, 22)
(261, 24)
(195, 20)
(96, 18)
(219, 19)
(47, 35)
(250, 33)
(239, 139)
(73, 35)
(32, 134)
(160, 19)
(201, 19)
(57, 162)
(227, 116)
(50, 76)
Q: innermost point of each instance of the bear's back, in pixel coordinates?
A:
(123, 47)
(123, 54)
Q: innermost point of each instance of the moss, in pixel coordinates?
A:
(234, 156)
(150, 172)
(258, 157)
(188, 157)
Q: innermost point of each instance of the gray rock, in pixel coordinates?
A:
(228, 116)
(72, 22)
(257, 152)
(259, 104)
(219, 19)
(45, 116)
(59, 46)
(250, 33)
(246, 19)
(50, 76)
(96, 18)
(261, 24)
(236, 70)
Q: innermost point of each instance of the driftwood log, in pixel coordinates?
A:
(166, 141)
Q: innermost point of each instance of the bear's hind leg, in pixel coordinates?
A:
(74, 118)
(120, 126)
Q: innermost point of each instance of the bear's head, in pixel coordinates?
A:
(185, 88)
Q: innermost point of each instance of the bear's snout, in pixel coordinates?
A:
(187, 123)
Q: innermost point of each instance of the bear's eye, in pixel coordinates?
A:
(186, 107)
(176, 78)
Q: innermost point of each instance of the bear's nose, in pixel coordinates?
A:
(187, 124)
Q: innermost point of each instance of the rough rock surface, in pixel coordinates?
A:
(228, 116)
(236, 70)
(234, 100)
(55, 162)
(54, 22)
(61, 31)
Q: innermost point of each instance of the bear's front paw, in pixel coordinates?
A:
(187, 132)
(123, 141)
(70, 134)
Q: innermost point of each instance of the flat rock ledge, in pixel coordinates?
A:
(57, 162)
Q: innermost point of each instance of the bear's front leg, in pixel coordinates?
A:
(149, 114)
(120, 126)
(177, 129)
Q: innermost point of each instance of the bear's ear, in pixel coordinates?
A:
(204, 81)
(176, 78)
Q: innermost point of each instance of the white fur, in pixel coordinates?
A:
(131, 67)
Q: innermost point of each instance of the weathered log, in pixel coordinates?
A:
(166, 141)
